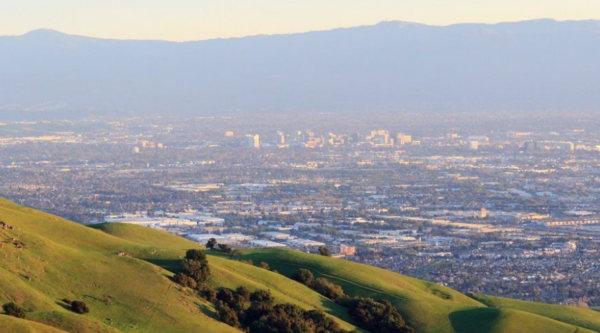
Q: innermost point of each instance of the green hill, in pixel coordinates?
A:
(46, 259)
(581, 317)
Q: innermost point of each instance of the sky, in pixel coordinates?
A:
(180, 20)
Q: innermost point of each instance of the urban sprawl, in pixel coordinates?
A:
(509, 209)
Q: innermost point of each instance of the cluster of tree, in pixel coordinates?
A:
(257, 313)
(321, 285)
(372, 315)
(195, 271)
(12, 309)
(377, 316)
(212, 243)
(77, 306)
(324, 251)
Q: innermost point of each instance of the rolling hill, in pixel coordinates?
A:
(46, 259)
(391, 66)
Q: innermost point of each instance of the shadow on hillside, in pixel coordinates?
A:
(479, 320)
(172, 265)
(207, 310)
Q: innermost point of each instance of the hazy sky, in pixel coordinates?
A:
(204, 19)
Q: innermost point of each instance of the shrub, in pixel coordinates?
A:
(243, 293)
(210, 294)
(211, 243)
(14, 310)
(322, 322)
(185, 280)
(377, 316)
(198, 270)
(225, 248)
(195, 255)
(79, 307)
(262, 316)
(324, 251)
(304, 276)
(225, 296)
(265, 266)
(227, 315)
(328, 289)
(262, 296)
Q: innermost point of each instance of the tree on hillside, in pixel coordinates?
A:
(79, 307)
(225, 248)
(14, 310)
(185, 280)
(211, 243)
(225, 295)
(194, 254)
(243, 293)
(195, 266)
(377, 316)
(227, 315)
(304, 276)
(197, 270)
(328, 289)
(324, 251)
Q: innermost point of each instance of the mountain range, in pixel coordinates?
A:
(391, 66)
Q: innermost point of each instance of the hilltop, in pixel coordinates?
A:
(391, 66)
(46, 259)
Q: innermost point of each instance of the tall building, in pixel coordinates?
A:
(253, 141)
(474, 145)
(347, 250)
(297, 137)
(567, 146)
(280, 138)
(530, 146)
(403, 139)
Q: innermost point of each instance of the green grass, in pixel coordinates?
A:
(495, 320)
(425, 306)
(581, 317)
(62, 259)
(14, 325)
(228, 273)
(66, 260)
(428, 307)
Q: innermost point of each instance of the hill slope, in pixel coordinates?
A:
(46, 259)
(539, 65)
(61, 259)
(426, 306)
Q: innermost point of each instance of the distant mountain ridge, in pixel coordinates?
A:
(391, 66)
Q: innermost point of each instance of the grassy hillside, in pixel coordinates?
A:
(581, 317)
(425, 306)
(62, 259)
(495, 320)
(428, 307)
(14, 325)
(228, 273)
(45, 259)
